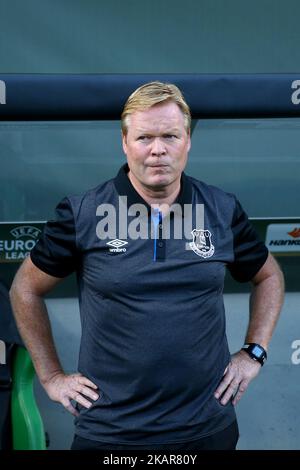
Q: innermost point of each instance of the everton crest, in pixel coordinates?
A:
(202, 244)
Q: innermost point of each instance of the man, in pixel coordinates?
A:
(154, 367)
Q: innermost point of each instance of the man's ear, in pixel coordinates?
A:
(124, 143)
(189, 141)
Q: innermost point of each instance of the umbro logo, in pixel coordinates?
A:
(116, 246)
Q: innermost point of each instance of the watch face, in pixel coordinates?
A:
(257, 351)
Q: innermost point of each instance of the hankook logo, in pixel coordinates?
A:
(2, 92)
(295, 233)
(283, 238)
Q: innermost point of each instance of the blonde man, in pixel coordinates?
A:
(155, 371)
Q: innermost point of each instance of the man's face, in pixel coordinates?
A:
(157, 145)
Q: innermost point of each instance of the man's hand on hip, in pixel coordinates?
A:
(237, 376)
(64, 388)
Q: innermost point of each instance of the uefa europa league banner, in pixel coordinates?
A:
(17, 239)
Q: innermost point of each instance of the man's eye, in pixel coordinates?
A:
(170, 136)
(143, 137)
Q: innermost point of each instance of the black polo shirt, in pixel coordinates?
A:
(152, 312)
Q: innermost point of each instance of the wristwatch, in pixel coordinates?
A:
(256, 352)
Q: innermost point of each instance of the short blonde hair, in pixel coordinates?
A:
(149, 95)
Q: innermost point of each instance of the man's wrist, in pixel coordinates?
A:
(50, 376)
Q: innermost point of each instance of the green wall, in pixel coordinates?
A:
(97, 36)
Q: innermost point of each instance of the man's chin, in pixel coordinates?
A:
(158, 182)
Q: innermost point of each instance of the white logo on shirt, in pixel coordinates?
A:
(202, 244)
(116, 246)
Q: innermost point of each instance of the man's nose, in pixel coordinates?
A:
(158, 147)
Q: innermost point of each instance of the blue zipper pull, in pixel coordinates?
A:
(156, 217)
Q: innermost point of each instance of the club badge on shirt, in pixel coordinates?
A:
(202, 244)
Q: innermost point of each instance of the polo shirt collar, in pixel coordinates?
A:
(124, 187)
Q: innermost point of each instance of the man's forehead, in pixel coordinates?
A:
(147, 126)
(150, 118)
(160, 109)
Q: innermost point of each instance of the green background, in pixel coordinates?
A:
(97, 36)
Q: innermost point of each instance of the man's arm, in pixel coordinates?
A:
(265, 304)
(26, 294)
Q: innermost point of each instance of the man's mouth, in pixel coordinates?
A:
(158, 166)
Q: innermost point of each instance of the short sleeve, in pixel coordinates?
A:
(56, 253)
(250, 253)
